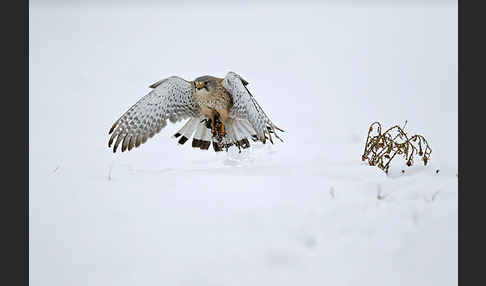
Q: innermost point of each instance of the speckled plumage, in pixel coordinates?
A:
(218, 99)
(176, 99)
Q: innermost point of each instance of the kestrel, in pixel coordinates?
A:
(221, 111)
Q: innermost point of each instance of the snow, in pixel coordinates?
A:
(306, 211)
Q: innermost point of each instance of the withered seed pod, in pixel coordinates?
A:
(380, 146)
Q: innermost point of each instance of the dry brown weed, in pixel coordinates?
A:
(382, 147)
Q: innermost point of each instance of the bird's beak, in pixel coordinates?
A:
(199, 85)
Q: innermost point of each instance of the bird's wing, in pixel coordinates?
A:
(171, 98)
(246, 107)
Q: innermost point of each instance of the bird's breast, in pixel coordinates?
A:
(212, 100)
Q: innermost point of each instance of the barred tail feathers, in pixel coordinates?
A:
(185, 133)
(238, 133)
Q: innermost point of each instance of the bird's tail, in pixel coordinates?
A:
(238, 133)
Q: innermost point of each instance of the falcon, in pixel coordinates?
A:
(221, 111)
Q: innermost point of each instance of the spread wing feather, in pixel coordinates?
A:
(170, 98)
(246, 107)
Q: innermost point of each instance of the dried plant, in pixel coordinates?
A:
(382, 147)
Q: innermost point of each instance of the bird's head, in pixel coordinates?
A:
(206, 82)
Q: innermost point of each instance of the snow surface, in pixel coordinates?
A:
(303, 212)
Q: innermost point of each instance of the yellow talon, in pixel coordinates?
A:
(222, 129)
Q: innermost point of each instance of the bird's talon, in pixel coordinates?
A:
(222, 132)
(213, 127)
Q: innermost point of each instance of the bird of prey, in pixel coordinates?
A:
(221, 111)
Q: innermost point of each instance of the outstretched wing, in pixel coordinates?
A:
(171, 98)
(246, 107)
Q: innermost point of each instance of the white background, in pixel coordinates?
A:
(302, 212)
